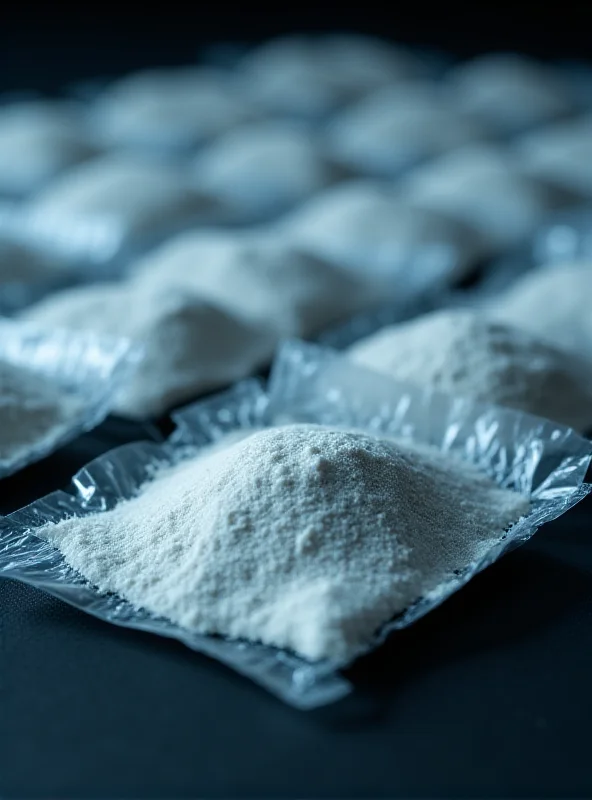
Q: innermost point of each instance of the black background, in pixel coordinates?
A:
(46, 46)
(489, 696)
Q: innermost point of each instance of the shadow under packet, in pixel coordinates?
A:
(76, 375)
(544, 462)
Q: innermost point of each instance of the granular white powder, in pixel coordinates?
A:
(483, 187)
(190, 345)
(362, 226)
(32, 409)
(303, 537)
(262, 278)
(553, 303)
(396, 128)
(509, 92)
(461, 353)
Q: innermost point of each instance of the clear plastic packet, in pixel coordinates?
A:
(89, 369)
(309, 384)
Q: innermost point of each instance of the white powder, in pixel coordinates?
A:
(561, 154)
(310, 77)
(461, 353)
(262, 169)
(483, 187)
(303, 537)
(509, 92)
(190, 345)
(33, 409)
(39, 139)
(396, 128)
(169, 108)
(553, 303)
(113, 202)
(362, 226)
(262, 278)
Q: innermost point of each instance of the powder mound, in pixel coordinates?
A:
(458, 352)
(303, 537)
(32, 408)
(190, 345)
(553, 303)
(261, 278)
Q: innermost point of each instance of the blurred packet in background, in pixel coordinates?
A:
(397, 128)
(309, 77)
(509, 92)
(364, 227)
(111, 208)
(39, 139)
(55, 384)
(169, 110)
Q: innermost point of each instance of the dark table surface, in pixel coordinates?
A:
(489, 696)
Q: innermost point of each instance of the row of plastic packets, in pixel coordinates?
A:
(87, 368)
(309, 384)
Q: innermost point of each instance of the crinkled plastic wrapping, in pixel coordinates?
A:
(89, 368)
(314, 385)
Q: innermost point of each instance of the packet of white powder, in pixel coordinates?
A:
(509, 92)
(169, 110)
(363, 226)
(54, 385)
(109, 208)
(396, 128)
(536, 467)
